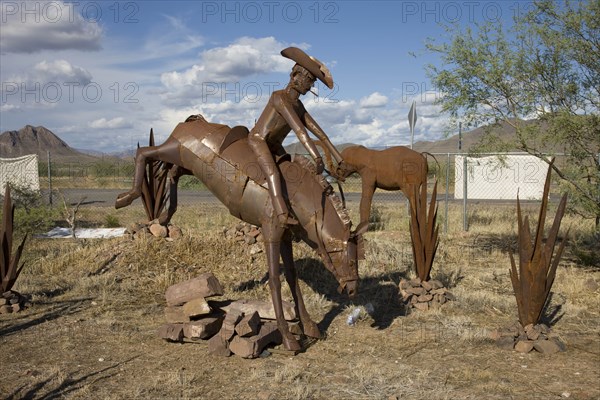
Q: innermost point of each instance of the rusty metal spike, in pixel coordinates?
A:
(151, 141)
(553, 234)
(539, 233)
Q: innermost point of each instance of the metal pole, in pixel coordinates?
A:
(49, 182)
(598, 216)
(465, 173)
(460, 136)
(447, 189)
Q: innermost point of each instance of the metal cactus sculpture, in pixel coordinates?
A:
(533, 278)
(423, 230)
(154, 196)
(9, 266)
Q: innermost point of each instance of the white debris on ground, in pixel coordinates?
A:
(82, 233)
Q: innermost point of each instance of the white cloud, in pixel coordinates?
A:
(115, 123)
(61, 71)
(374, 100)
(245, 57)
(29, 27)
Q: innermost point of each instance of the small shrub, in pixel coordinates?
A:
(376, 222)
(111, 221)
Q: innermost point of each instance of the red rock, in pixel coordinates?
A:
(172, 332)
(404, 284)
(6, 309)
(424, 298)
(174, 232)
(524, 346)
(158, 230)
(218, 346)
(228, 327)
(204, 285)
(415, 282)
(436, 284)
(550, 346)
(427, 285)
(249, 325)
(416, 290)
(203, 328)
(196, 307)
(175, 315)
(251, 347)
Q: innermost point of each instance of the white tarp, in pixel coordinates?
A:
(20, 171)
(501, 179)
(83, 233)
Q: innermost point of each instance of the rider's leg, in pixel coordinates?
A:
(271, 172)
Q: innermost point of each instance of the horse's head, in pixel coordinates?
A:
(342, 258)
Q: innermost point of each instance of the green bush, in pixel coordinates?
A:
(111, 221)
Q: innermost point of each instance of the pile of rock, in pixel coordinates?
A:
(153, 229)
(242, 327)
(424, 295)
(247, 234)
(12, 301)
(244, 232)
(537, 337)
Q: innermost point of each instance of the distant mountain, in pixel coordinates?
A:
(39, 140)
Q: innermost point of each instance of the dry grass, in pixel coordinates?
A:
(97, 305)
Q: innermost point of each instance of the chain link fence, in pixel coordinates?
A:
(491, 184)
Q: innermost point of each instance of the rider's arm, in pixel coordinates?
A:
(292, 119)
(312, 126)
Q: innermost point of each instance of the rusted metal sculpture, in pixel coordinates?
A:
(154, 195)
(283, 113)
(533, 279)
(395, 168)
(221, 158)
(423, 229)
(9, 265)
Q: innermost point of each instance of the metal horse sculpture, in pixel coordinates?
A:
(220, 157)
(395, 168)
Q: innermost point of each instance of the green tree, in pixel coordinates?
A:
(544, 68)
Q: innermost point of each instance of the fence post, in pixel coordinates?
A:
(465, 173)
(597, 216)
(49, 181)
(447, 189)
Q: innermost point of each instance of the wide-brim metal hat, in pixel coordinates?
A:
(314, 66)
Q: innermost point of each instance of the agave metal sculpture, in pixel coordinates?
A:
(423, 230)
(154, 196)
(534, 277)
(9, 266)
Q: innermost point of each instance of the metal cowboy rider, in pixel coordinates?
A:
(285, 112)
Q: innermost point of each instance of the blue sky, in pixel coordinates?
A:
(100, 74)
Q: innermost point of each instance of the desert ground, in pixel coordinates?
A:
(96, 305)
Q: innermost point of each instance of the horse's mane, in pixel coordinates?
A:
(337, 203)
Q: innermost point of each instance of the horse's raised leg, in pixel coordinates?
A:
(273, 233)
(308, 326)
(167, 152)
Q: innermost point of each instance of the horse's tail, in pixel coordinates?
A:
(425, 154)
